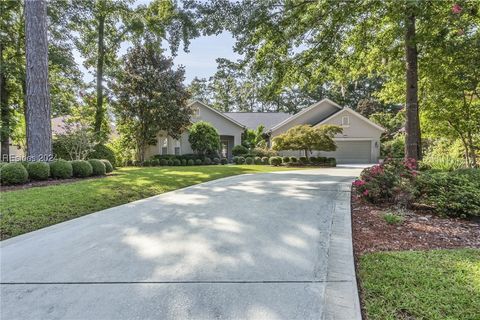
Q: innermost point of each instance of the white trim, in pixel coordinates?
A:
(218, 112)
(355, 114)
(304, 111)
(354, 139)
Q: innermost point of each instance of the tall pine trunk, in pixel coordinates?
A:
(4, 112)
(39, 132)
(99, 112)
(412, 125)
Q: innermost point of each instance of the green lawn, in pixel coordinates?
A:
(31, 209)
(438, 284)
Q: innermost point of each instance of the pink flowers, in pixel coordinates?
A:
(456, 8)
(365, 193)
(358, 183)
(376, 169)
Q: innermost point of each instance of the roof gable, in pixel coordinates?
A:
(356, 114)
(254, 119)
(218, 112)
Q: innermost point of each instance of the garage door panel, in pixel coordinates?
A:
(351, 152)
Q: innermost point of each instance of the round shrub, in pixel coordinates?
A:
(169, 162)
(224, 161)
(275, 161)
(154, 162)
(313, 160)
(191, 162)
(240, 160)
(101, 151)
(207, 161)
(265, 160)
(184, 162)
(293, 159)
(216, 160)
(176, 162)
(13, 173)
(163, 162)
(239, 150)
(61, 169)
(108, 165)
(38, 170)
(249, 160)
(303, 160)
(257, 160)
(198, 162)
(285, 159)
(322, 160)
(332, 162)
(81, 168)
(98, 167)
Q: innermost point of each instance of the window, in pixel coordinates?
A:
(345, 121)
(177, 148)
(165, 146)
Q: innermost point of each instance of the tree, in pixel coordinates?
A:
(307, 138)
(204, 138)
(317, 42)
(151, 97)
(39, 132)
(77, 140)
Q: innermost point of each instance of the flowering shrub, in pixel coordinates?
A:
(391, 181)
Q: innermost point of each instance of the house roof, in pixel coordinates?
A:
(351, 111)
(223, 114)
(254, 119)
(315, 105)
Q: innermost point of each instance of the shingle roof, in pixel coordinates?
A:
(253, 119)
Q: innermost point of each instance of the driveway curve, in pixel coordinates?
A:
(263, 246)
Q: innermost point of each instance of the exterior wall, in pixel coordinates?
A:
(314, 115)
(359, 130)
(223, 126)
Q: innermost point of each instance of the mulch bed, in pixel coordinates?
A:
(50, 182)
(421, 230)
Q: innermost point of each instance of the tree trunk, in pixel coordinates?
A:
(412, 124)
(39, 134)
(5, 112)
(99, 112)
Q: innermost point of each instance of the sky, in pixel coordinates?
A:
(198, 62)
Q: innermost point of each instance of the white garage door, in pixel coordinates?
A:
(351, 152)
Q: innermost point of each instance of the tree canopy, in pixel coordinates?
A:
(204, 138)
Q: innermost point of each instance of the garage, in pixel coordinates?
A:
(352, 152)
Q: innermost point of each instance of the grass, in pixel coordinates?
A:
(393, 218)
(31, 209)
(438, 284)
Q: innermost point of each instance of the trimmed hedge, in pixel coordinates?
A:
(265, 160)
(249, 160)
(184, 162)
(81, 168)
(101, 151)
(285, 159)
(108, 165)
(224, 161)
(198, 162)
(207, 161)
(191, 162)
(61, 169)
(257, 160)
(98, 167)
(239, 150)
(13, 173)
(176, 162)
(163, 162)
(38, 170)
(275, 161)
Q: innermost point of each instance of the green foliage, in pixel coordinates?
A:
(204, 137)
(265, 160)
(81, 168)
(275, 161)
(75, 142)
(38, 170)
(150, 97)
(98, 167)
(444, 163)
(176, 162)
(163, 162)
(285, 159)
(216, 160)
(254, 138)
(332, 162)
(307, 138)
(108, 165)
(169, 162)
(184, 162)
(239, 150)
(249, 160)
(257, 160)
(207, 161)
(454, 193)
(101, 151)
(393, 218)
(13, 173)
(61, 169)
(198, 162)
(240, 160)
(191, 162)
(303, 160)
(394, 148)
(293, 159)
(224, 161)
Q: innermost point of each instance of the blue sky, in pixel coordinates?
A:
(198, 62)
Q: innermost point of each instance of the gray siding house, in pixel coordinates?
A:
(359, 142)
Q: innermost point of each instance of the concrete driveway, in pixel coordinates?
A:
(265, 246)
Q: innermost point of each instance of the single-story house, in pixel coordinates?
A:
(359, 142)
